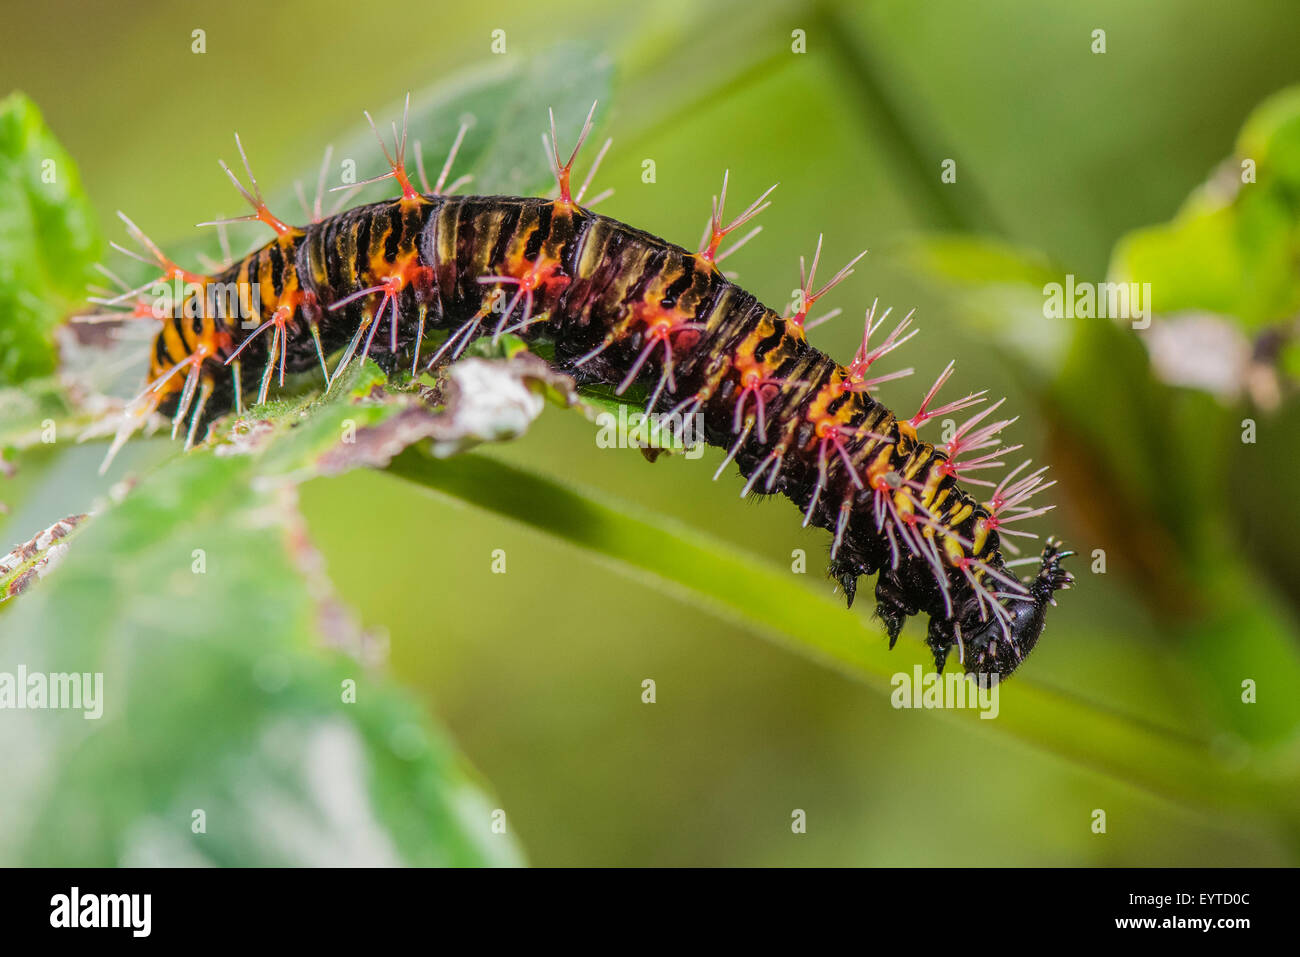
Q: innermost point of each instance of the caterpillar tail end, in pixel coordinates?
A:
(994, 650)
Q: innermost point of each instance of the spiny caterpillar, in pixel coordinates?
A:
(621, 307)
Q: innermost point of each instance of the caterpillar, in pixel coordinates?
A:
(622, 308)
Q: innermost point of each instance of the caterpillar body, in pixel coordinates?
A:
(622, 307)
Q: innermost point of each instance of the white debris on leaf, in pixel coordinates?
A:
(483, 400)
(52, 558)
(246, 436)
(487, 401)
(34, 559)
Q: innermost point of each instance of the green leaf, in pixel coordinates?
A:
(1233, 246)
(22, 411)
(1271, 137)
(48, 240)
(236, 689)
(505, 104)
(33, 559)
(224, 665)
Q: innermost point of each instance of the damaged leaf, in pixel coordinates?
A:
(34, 559)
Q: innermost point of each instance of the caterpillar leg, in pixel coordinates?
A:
(133, 418)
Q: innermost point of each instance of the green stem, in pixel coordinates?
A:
(744, 589)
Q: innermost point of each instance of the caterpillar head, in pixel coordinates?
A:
(994, 647)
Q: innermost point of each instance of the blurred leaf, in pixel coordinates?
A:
(500, 102)
(48, 240)
(1271, 137)
(22, 411)
(1233, 247)
(506, 104)
(218, 695)
(209, 601)
(657, 553)
(1233, 259)
(36, 557)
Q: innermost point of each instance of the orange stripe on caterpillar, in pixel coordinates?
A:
(626, 309)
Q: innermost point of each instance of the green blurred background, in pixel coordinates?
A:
(537, 674)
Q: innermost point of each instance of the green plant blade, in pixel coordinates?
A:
(238, 722)
(656, 552)
(48, 240)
